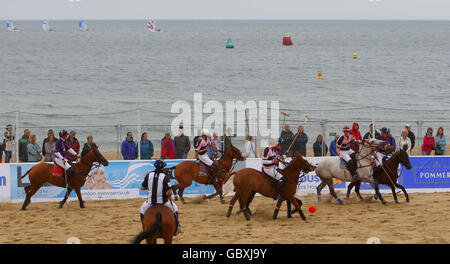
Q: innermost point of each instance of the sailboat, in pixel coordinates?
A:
(229, 44)
(10, 26)
(82, 26)
(152, 27)
(46, 26)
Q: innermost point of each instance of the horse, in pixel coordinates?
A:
(158, 222)
(247, 182)
(389, 175)
(187, 171)
(328, 169)
(41, 173)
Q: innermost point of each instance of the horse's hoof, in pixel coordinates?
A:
(229, 211)
(340, 201)
(176, 198)
(239, 212)
(247, 216)
(223, 201)
(302, 215)
(384, 202)
(60, 205)
(82, 205)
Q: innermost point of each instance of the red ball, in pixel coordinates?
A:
(312, 209)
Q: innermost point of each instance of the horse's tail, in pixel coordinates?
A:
(146, 234)
(25, 174)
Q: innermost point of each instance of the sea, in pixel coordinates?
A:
(93, 82)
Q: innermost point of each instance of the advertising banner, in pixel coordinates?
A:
(5, 182)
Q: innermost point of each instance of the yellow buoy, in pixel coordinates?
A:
(319, 75)
(355, 56)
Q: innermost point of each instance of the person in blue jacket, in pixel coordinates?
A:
(129, 149)
(146, 147)
(333, 146)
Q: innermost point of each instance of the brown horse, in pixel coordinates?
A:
(158, 222)
(43, 172)
(388, 176)
(187, 171)
(247, 182)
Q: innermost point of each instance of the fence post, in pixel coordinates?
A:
(419, 141)
(138, 133)
(16, 141)
(324, 136)
(117, 141)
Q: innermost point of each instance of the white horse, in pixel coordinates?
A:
(328, 169)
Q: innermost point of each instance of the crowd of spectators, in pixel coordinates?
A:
(179, 147)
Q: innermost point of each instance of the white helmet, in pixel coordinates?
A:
(205, 132)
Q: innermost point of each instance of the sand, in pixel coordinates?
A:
(424, 220)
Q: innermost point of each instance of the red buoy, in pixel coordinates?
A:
(287, 41)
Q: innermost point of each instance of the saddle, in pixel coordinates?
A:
(273, 182)
(57, 170)
(343, 165)
(205, 169)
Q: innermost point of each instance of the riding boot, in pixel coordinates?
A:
(280, 186)
(212, 172)
(142, 217)
(376, 172)
(177, 224)
(351, 166)
(70, 172)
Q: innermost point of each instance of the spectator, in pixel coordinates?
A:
(167, 147)
(49, 148)
(319, 147)
(355, 131)
(212, 153)
(73, 143)
(182, 145)
(369, 134)
(287, 137)
(441, 142)
(411, 136)
(50, 132)
(34, 154)
(392, 139)
(333, 151)
(23, 149)
(300, 142)
(250, 147)
(404, 142)
(428, 142)
(128, 148)
(88, 145)
(8, 143)
(146, 147)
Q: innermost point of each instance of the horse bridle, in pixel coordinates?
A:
(91, 167)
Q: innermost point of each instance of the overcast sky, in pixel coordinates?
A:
(225, 9)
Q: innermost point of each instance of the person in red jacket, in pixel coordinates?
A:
(428, 142)
(73, 143)
(355, 132)
(167, 147)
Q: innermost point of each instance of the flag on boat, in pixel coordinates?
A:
(82, 26)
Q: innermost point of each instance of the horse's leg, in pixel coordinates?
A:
(333, 193)
(61, 204)
(31, 190)
(243, 198)
(393, 193)
(357, 187)
(404, 191)
(289, 211)
(249, 201)
(319, 189)
(80, 199)
(293, 200)
(349, 190)
(277, 208)
(180, 193)
(377, 192)
(174, 191)
(233, 200)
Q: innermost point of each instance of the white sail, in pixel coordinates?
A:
(82, 26)
(45, 26)
(10, 26)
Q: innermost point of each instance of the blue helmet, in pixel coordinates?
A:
(159, 164)
(385, 130)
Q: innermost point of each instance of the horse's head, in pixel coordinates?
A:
(234, 152)
(96, 156)
(300, 163)
(404, 159)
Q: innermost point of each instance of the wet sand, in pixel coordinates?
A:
(424, 220)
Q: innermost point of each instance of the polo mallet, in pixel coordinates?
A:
(307, 118)
(284, 116)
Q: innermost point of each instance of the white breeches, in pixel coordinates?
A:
(61, 163)
(169, 204)
(205, 159)
(273, 173)
(345, 154)
(379, 158)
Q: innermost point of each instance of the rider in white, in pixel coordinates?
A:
(59, 153)
(201, 151)
(346, 153)
(270, 161)
(159, 191)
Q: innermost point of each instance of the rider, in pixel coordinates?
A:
(346, 153)
(382, 149)
(60, 150)
(270, 161)
(159, 191)
(201, 152)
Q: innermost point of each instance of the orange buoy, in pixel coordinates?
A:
(287, 41)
